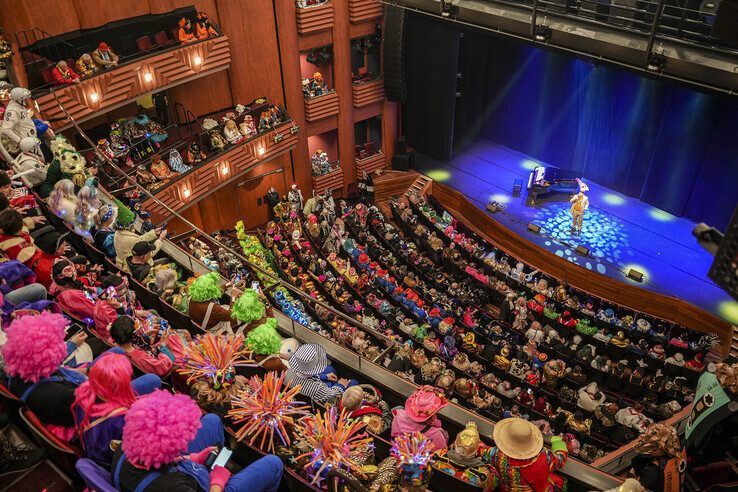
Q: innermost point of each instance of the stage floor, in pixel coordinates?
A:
(621, 232)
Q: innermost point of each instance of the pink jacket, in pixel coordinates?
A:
(402, 424)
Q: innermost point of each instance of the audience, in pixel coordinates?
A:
(155, 360)
(419, 415)
(104, 57)
(64, 75)
(85, 65)
(307, 365)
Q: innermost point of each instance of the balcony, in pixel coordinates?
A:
(370, 163)
(317, 108)
(366, 93)
(332, 180)
(364, 10)
(203, 180)
(113, 88)
(314, 18)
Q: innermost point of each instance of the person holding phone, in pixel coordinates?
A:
(167, 445)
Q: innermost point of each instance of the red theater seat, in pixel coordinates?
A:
(161, 39)
(144, 43)
(44, 435)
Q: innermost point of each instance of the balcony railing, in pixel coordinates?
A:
(194, 185)
(364, 10)
(314, 18)
(111, 88)
(317, 108)
(370, 163)
(367, 92)
(329, 181)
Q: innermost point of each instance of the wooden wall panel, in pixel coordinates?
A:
(205, 95)
(343, 83)
(52, 16)
(92, 13)
(255, 70)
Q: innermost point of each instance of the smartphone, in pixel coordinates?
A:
(218, 458)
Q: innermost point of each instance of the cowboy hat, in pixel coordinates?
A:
(518, 438)
(424, 403)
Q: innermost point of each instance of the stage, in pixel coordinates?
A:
(621, 232)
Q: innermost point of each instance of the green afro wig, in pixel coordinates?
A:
(125, 216)
(248, 307)
(264, 339)
(205, 288)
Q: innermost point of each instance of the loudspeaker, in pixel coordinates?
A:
(400, 145)
(535, 229)
(635, 275)
(393, 54)
(582, 250)
(723, 270)
(401, 162)
(726, 20)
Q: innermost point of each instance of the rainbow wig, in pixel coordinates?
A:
(264, 339)
(35, 346)
(248, 307)
(158, 427)
(206, 288)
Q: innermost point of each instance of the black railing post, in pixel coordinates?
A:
(534, 18)
(654, 27)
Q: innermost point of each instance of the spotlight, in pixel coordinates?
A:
(94, 97)
(542, 33)
(448, 8)
(656, 62)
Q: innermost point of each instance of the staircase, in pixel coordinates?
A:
(420, 185)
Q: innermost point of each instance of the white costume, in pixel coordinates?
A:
(31, 159)
(17, 123)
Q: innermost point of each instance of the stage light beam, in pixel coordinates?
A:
(529, 164)
(729, 311)
(613, 199)
(661, 215)
(439, 174)
(500, 198)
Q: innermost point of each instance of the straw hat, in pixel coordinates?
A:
(518, 438)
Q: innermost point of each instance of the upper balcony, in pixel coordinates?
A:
(150, 58)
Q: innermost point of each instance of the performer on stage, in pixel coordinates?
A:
(579, 205)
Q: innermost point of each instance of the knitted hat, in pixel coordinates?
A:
(125, 216)
(205, 288)
(35, 346)
(264, 339)
(158, 427)
(248, 307)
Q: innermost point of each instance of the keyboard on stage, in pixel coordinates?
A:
(550, 179)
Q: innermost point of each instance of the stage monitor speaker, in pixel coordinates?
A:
(726, 21)
(535, 229)
(582, 250)
(635, 275)
(393, 54)
(401, 162)
(724, 270)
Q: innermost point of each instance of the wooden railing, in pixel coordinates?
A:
(118, 86)
(317, 108)
(314, 18)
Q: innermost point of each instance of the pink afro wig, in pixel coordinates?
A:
(158, 428)
(35, 346)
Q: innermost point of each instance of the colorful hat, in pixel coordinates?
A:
(424, 403)
(125, 216)
(309, 359)
(103, 46)
(518, 438)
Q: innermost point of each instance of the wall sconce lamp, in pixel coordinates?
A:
(148, 77)
(278, 138)
(224, 170)
(186, 192)
(262, 151)
(197, 60)
(94, 97)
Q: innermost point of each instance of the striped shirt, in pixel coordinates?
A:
(314, 388)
